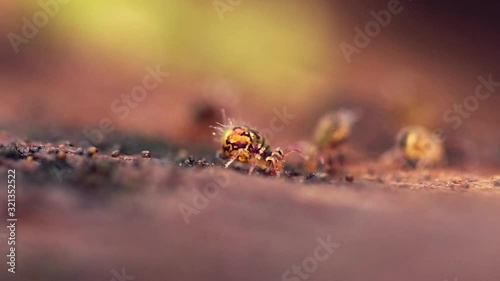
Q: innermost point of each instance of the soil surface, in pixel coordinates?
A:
(86, 215)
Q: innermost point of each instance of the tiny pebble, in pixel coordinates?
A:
(79, 151)
(35, 149)
(349, 177)
(115, 153)
(61, 155)
(323, 176)
(92, 151)
(310, 176)
(146, 154)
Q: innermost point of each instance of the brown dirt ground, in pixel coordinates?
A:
(83, 216)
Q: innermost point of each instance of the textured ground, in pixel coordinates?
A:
(84, 217)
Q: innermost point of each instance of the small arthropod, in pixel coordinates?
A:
(276, 161)
(416, 147)
(334, 129)
(331, 132)
(311, 157)
(246, 145)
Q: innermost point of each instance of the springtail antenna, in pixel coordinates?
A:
(220, 126)
(224, 117)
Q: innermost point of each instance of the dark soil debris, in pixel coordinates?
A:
(88, 168)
